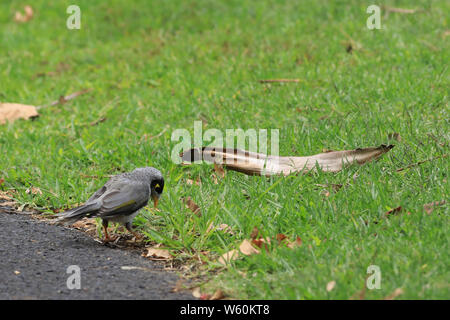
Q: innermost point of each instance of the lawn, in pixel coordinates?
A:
(157, 66)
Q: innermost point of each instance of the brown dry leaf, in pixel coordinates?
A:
(219, 170)
(13, 111)
(191, 182)
(8, 204)
(247, 248)
(225, 228)
(5, 195)
(218, 295)
(85, 224)
(331, 285)
(191, 205)
(2, 181)
(429, 207)
(255, 233)
(222, 227)
(296, 243)
(216, 181)
(394, 294)
(280, 237)
(228, 256)
(158, 254)
(394, 211)
(196, 292)
(33, 190)
(19, 17)
(260, 164)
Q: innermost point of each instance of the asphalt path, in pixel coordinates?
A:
(43, 261)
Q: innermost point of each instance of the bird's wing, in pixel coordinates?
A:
(123, 197)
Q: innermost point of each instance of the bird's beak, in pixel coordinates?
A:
(155, 201)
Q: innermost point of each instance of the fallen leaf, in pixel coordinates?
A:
(19, 17)
(191, 205)
(330, 285)
(85, 224)
(222, 227)
(260, 164)
(8, 204)
(219, 170)
(191, 182)
(33, 190)
(247, 248)
(394, 211)
(228, 256)
(296, 243)
(255, 233)
(218, 295)
(394, 294)
(429, 207)
(13, 111)
(216, 181)
(5, 195)
(158, 254)
(196, 292)
(280, 237)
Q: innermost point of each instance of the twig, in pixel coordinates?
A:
(420, 162)
(279, 80)
(146, 138)
(64, 99)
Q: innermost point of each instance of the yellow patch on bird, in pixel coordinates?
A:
(125, 204)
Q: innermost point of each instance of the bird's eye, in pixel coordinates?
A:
(159, 187)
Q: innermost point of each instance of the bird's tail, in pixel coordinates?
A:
(75, 214)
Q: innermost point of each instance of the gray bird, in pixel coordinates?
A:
(120, 199)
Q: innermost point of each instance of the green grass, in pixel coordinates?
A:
(161, 63)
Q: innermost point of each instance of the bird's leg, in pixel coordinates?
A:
(130, 229)
(105, 228)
